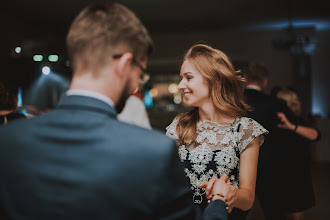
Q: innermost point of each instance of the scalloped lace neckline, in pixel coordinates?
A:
(214, 124)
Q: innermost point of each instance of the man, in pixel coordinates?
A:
(78, 161)
(271, 154)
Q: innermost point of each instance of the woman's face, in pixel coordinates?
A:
(193, 86)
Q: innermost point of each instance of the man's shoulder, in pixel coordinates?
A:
(15, 124)
(254, 97)
(137, 135)
(141, 142)
(143, 133)
(279, 101)
(248, 91)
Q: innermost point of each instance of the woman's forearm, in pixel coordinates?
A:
(245, 199)
(307, 132)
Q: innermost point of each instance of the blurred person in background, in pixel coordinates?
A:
(135, 111)
(19, 73)
(264, 109)
(274, 91)
(298, 173)
(8, 103)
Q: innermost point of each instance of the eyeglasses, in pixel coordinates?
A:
(144, 77)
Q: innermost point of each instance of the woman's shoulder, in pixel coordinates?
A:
(171, 129)
(249, 124)
(248, 130)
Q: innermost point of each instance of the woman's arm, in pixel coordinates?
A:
(247, 176)
(309, 133)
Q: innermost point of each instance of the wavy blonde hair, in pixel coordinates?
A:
(225, 85)
(291, 99)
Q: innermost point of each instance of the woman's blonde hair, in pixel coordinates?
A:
(291, 99)
(225, 85)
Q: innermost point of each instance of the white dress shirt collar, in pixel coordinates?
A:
(92, 94)
(255, 87)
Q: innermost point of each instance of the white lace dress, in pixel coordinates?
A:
(218, 153)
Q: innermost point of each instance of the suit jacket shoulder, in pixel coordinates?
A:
(81, 157)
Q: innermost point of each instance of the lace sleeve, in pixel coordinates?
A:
(171, 130)
(249, 131)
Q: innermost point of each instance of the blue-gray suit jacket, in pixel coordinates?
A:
(79, 162)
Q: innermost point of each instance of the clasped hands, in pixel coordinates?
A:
(221, 188)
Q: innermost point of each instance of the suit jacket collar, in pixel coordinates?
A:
(91, 94)
(253, 91)
(85, 102)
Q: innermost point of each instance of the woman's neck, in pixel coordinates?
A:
(209, 113)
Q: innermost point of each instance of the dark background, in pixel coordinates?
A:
(290, 36)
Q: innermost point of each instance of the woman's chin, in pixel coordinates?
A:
(190, 104)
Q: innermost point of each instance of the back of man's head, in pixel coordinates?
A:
(100, 31)
(256, 73)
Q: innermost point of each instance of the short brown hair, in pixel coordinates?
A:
(99, 31)
(256, 72)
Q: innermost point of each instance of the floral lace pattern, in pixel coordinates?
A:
(218, 151)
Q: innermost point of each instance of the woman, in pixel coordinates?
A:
(215, 138)
(298, 158)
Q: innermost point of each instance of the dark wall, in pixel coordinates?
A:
(247, 46)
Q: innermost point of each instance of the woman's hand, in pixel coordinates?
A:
(285, 123)
(231, 197)
(309, 133)
(216, 187)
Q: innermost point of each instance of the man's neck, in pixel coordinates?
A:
(99, 85)
(92, 94)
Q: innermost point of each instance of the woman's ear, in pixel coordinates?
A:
(123, 64)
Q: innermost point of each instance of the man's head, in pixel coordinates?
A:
(257, 73)
(108, 47)
(100, 31)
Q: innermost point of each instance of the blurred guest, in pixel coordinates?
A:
(270, 166)
(8, 103)
(300, 197)
(274, 91)
(46, 91)
(215, 138)
(78, 161)
(135, 113)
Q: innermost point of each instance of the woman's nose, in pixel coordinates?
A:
(181, 85)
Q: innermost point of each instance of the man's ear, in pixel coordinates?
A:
(123, 63)
(264, 83)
